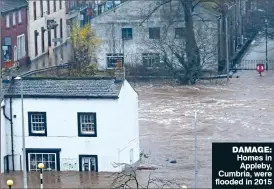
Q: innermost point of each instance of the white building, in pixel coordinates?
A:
(72, 124)
(41, 38)
(129, 33)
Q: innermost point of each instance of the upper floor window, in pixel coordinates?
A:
(7, 20)
(37, 123)
(154, 33)
(179, 33)
(127, 33)
(87, 125)
(13, 19)
(21, 44)
(34, 10)
(19, 16)
(48, 6)
(41, 8)
(60, 4)
(54, 5)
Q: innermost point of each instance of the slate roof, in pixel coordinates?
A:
(64, 88)
(9, 5)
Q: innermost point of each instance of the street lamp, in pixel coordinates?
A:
(10, 183)
(23, 135)
(266, 53)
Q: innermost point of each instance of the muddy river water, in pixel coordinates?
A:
(241, 111)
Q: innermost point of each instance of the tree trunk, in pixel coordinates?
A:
(192, 51)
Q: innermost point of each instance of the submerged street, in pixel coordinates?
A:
(239, 112)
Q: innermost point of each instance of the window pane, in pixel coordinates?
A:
(39, 157)
(47, 165)
(33, 166)
(45, 157)
(52, 165)
(38, 123)
(87, 123)
(51, 157)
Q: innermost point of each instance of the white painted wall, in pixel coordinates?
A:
(42, 22)
(130, 14)
(128, 106)
(3, 142)
(117, 128)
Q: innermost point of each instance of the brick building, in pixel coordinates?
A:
(14, 32)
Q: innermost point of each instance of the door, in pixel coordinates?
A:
(6, 164)
(88, 163)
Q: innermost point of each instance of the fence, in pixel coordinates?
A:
(252, 64)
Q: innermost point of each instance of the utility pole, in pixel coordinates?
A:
(196, 171)
(266, 50)
(1, 58)
(227, 56)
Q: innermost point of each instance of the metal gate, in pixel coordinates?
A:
(252, 64)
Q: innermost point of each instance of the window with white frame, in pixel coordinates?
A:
(7, 20)
(21, 51)
(48, 159)
(13, 19)
(37, 123)
(15, 53)
(87, 125)
(19, 16)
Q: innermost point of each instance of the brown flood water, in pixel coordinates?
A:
(238, 112)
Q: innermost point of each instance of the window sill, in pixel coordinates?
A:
(38, 134)
(87, 135)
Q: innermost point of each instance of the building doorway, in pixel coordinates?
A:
(88, 163)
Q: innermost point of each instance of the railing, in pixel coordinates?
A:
(52, 68)
(252, 64)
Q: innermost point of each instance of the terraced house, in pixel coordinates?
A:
(71, 124)
(47, 26)
(14, 32)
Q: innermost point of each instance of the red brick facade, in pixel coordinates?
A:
(10, 31)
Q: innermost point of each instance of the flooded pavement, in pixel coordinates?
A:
(238, 112)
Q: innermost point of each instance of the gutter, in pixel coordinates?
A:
(11, 130)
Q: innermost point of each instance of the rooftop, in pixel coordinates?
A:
(9, 5)
(104, 87)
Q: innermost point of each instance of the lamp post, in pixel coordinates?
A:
(23, 135)
(266, 38)
(0, 79)
(195, 147)
(10, 183)
(41, 167)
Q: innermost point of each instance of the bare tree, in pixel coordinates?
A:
(186, 51)
(114, 42)
(129, 178)
(177, 52)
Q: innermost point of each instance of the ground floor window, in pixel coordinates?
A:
(88, 163)
(151, 59)
(115, 60)
(49, 157)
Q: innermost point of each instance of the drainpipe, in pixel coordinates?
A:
(11, 130)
